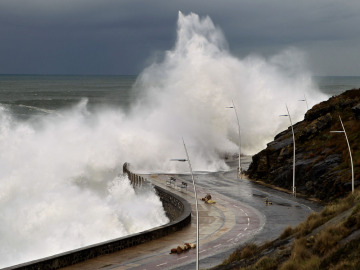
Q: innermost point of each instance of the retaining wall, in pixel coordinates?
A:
(173, 206)
(177, 209)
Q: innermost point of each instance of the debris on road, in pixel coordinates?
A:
(182, 248)
(208, 199)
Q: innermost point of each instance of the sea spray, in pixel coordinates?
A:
(186, 92)
(61, 184)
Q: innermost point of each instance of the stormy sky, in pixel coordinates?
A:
(124, 36)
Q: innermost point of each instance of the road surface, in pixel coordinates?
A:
(239, 215)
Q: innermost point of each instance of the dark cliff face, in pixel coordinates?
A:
(322, 167)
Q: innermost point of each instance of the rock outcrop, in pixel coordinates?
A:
(322, 167)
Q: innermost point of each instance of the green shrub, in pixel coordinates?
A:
(299, 251)
(313, 221)
(312, 263)
(327, 239)
(249, 251)
(245, 252)
(353, 221)
(287, 232)
(265, 263)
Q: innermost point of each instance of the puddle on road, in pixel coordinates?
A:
(259, 195)
(275, 203)
(283, 204)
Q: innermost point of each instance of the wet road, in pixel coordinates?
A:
(284, 211)
(238, 216)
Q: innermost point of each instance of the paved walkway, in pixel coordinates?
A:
(223, 226)
(239, 215)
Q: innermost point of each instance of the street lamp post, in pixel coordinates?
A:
(292, 129)
(352, 166)
(237, 118)
(307, 106)
(196, 203)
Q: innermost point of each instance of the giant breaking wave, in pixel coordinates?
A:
(60, 184)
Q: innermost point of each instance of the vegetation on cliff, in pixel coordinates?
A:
(322, 167)
(326, 240)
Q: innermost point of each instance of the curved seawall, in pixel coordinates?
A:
(177, 209)
(173, 205)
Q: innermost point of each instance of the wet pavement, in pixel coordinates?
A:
(239, 215)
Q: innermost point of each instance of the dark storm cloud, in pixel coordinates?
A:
(119, 37)
(79, 36)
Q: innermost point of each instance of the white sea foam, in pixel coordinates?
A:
(60, 187)
(185, 94)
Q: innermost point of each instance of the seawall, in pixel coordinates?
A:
(177, 209)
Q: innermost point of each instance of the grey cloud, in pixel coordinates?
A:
(110, 36)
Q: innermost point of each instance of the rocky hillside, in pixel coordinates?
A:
(322, 167)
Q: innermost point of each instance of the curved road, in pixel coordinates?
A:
(239, 215)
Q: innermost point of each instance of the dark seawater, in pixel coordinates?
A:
(27, 95)
(37, 165)
(335, 85)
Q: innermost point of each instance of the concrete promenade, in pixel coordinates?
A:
(223, 226)
(238, 216)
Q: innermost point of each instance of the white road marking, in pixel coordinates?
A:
(217, 245)
(230, 240)
(246, 214)
(162, 264)
(182, 258)
(239, 234)
(245, 229)
(202, 251)
(248, 221)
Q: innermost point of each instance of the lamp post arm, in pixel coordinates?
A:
(307, 106)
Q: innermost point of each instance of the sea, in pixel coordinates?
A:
(28, 95)
(335, 85)
(55, 164)
(61, 181)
